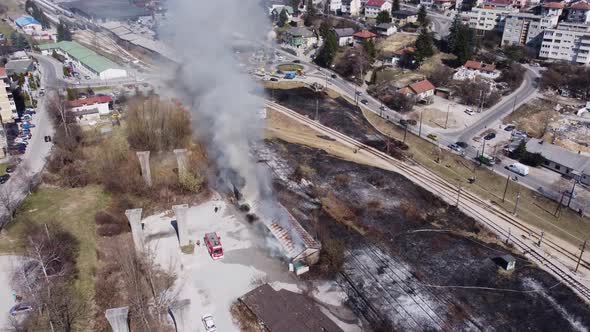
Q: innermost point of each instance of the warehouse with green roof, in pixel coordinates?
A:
(91, 61)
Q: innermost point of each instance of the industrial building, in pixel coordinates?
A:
(29, 25)
(96, 64)
(107, 10)
(568, 42)
(527, 29)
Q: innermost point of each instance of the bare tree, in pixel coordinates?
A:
(9, 200)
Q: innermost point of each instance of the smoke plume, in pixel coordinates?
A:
(220, 96)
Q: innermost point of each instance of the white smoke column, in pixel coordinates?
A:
(219, 95)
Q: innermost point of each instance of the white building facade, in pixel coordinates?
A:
(568, 42)
(374, 7)
(486, 19)
(527, 29)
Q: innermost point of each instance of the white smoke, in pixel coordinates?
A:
(220, 96)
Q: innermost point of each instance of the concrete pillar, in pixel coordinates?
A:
(134, 217)
(180, 314)
(144, 161)
(181, 160)
(117, 317)
(181, 223)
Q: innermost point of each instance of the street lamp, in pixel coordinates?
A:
(448, 110)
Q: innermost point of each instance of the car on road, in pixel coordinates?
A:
(468, 111)
(4, 178)
(518, 168)
(489, 136)
(509, 127)
(209, 323)
(27, 125)
(432, 137)
(274, 79)
(334, 76)
(517, 134)
(296, 61)
(364, 102)
(456, 148)
(20, 309)
(30, 111)
(462, 145)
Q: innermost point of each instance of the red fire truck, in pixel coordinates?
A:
(213, 243)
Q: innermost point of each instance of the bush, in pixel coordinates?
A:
(188, 249)
(103, 218)
(191, 183)
(513, 76)
(109, 230)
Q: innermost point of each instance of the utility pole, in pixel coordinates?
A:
(581, 253)
(405, 132)
(447, 119)
(458, 196)
(572, 193)
(505, 188)
(420, 128)
(514, 104)
(317, 109)
(516, 205)
(509, 233)
(541, 239)
(558, 209)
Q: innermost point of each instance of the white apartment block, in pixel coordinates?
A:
(579, 12)
(427, 3)
(374, 7)
(568, 42)
(352, 7)
(487, 19)
(527, 29)
(335, 6)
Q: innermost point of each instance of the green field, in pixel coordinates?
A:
(6, 30)
(74, 209)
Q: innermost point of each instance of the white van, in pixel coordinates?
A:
(519, 168)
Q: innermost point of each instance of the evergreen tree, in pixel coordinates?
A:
(369, 47)
(423, 17)
(329, 49)
(311, 13)
(395, 6)
(383, 17)
(325, 29)
(424, 48)
(295, 5)
(21, 41)
(13, 38)
(283, 18)
(461, 40)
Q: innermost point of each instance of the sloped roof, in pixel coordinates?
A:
(88, 57)
(344, 32)
(470, 64)
(375, 3)
(90, 101)
(422, 86)
(25, 20)
(300, 31)
(558, 154)
(404, 51)
(2, 72)
(364, 34)
(554, 5)
(583, 5)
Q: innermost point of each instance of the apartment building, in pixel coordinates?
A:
(335, 6)
(352, 7)
(374, 7)
(7, 105)
(579, 12)
(488, 19)
(527, 29)
(568, 42)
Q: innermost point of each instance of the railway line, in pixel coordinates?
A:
(469, 203)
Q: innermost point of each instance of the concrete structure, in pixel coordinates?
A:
(181, 161)
(300, 37)
(374, 7)
(144, 161)
(180, 312)
(88, 60)
(579, 12)
(29, 25)
(568, 42)
(118, 318)
(134, 217)
(487, 19)
(351, 7)
(527, 29)
(7, 105)
(561, 160)
(90, 109)
(344, 36)
(507, 262)
(180, 211)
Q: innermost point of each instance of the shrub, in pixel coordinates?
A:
(191, 183)
(109, 230)
(103, 218)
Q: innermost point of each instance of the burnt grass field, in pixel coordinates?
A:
(339, 114)
(376, 228)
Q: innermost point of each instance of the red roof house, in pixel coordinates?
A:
(90, 101)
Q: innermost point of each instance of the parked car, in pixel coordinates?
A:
(209, 323)
(462, 145)
(518, 168)
(15, 151)
(364, 102)
(456, 148)
(509, 127)
(334, 76)
(489, 136)
(4, 178)
(20, 308)
(468, 111)
(274, 79)
(28, 125)
(296, 61)
(87, 77)
(432, 137)
(47, 138)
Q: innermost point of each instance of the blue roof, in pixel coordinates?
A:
(25, 20)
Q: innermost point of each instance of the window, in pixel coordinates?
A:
(557, 167)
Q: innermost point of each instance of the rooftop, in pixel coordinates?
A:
(114, 9)
(553, 5)
(375, 3)
(300, 31)
(403, 13)
(583, 5)
(421, 86)
(470, 64)
(364, 34)
(88, 57)
(575, 161)
(90, 101)
(404, 51)
(20, 65)
(286, 311)
(344, 32)
(26, 20)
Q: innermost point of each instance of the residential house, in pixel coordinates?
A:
(403, 17)
(402, 56)
(562, 160)
(90, 109)
(579, 12)
(7, 105)
(419, 90)
(335, 6)
(498, 4)
(385, 29)
(300, 37)
(374, 7)
(363, 36)
(29, 25)
(568, 42)
(276, 10)
(351, 7)
(344, 36)
(19, 67)
(527, 29)
(472, 69)
(552, 9)
(443, 5)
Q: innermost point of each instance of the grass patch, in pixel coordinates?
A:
(396, 41)
(533, 208)
(6, 29)
(3, 168)
(534, 117)
(290, 67)
(74, 209)
(402, 77)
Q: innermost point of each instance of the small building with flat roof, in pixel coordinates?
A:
(561, 160)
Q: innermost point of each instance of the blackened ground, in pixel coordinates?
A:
(388, 209)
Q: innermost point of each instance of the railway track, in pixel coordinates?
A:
(471, 204)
